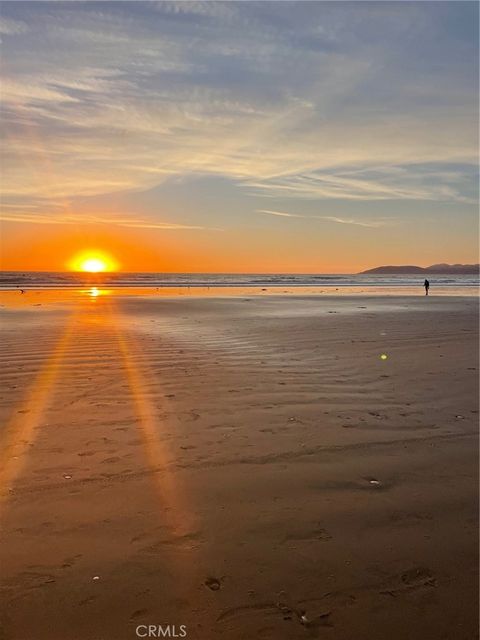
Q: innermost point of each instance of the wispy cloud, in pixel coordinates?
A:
(12, 27)
(379, 222)
(282, 214)
(361, 223)
(306, 101)
(402, 182)
(61, 218)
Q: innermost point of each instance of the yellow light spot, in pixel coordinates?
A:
(383, 356)
(94, 292)
(93, 262)
(93, 265)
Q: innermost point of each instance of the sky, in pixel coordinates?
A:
(239, 137)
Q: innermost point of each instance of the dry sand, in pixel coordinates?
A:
(233, 464)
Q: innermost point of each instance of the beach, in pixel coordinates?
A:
(238, 466)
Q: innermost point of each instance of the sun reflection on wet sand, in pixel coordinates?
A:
(96, 292)
(20, 432)
(178, 517)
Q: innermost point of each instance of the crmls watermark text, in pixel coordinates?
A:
(161, 631)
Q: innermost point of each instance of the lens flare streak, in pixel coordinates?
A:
(20, 432)
(178, 518)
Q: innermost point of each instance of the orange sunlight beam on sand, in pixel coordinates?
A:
(177, 516)
(22, 429)
(20, 432)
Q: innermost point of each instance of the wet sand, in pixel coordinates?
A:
(249, 467)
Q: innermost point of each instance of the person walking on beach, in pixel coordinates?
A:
(426, 284)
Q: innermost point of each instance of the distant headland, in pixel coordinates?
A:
(451, 269)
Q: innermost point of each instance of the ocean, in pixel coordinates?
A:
(61, 280)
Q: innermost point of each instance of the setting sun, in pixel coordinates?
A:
(92, 262)
(93, 265)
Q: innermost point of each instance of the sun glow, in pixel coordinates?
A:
(93, 265)
(93, 262)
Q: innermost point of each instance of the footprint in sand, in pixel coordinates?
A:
(418, 577)
(411, 580)
(318, 533)
(292, 611)
(139, 613)
(69, 562)
(212, 583)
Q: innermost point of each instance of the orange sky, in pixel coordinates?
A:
(52, 247)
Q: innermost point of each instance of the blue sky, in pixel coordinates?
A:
(352, 125)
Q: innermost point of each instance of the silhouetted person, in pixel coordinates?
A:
(426, 284)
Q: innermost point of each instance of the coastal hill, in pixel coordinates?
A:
(451, 269)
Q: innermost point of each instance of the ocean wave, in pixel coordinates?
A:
(31, 279)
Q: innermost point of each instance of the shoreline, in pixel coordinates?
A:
(196, 291)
